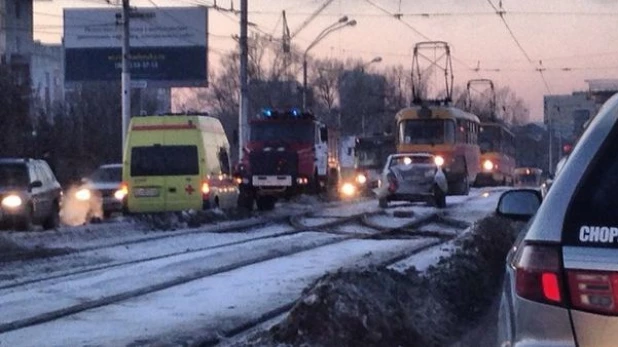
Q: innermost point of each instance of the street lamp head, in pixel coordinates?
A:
(343, 19)
(352, 23)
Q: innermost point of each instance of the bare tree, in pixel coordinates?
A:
(325, 81)
(510, 108)
(15, 115)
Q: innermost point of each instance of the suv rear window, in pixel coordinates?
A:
(164, 161)
(14, 175)
(592, 217)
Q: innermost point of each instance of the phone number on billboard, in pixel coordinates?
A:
(140, 65)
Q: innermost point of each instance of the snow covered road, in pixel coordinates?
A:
(201, 285)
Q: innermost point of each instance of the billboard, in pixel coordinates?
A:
(168, 45)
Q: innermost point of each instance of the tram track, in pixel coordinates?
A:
(329, 237)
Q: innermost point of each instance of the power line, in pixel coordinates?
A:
(500, 12)
(396, 16)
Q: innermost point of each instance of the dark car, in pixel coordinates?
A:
(29, 194)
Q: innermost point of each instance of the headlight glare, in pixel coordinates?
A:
(348, 189)
(12, 201)
(83, 194)
(488, 165)
(361, 178)
(439, 160)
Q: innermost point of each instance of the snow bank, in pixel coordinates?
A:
(382, 307)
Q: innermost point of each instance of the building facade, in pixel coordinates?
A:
(16, 43)
(565, 115)
(47, 78)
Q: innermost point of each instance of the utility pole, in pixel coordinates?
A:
(244, 88)
(126, 74)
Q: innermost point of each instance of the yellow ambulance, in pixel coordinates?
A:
(175, 163)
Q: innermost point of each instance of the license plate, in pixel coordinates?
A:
(272, 181)
(146, 192)
(414, 178)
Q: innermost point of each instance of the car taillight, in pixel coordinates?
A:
(538, 274)
(594, 290)
(205, 188)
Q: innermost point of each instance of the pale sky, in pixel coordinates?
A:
(574, 39)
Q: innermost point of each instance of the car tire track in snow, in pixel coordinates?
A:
(102, 301)
(294, 221)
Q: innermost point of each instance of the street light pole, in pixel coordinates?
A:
(340, 24)
(374, 60)
(126, 73)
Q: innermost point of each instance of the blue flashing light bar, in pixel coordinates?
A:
(297, 113)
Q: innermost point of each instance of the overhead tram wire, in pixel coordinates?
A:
(501, 12)
(398, 17)
(445, 14)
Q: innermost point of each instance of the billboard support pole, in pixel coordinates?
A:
(126, 75)
(244, 88)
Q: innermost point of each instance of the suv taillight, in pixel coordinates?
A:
(538, 274)
(594, 290)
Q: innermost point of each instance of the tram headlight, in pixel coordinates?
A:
(439, 160)
(488, 165)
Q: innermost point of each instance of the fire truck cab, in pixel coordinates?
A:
(289, 152)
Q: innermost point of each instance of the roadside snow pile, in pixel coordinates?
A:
(382, 307)
(191, 219)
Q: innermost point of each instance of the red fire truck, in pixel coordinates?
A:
(289, 152)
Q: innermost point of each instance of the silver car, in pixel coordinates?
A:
(412, 177)
(561, 282)
(102, 191)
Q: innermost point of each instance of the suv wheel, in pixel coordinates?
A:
(24, 223)
(53, 221)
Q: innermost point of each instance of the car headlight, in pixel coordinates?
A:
(12, 201)
(361, 179)
(488, 165)
(83, 194)
(348, 189)
(438, 160)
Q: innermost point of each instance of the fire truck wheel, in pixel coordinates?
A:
(265, 203)
(316, 186)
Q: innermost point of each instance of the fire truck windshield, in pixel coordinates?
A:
(296, 131)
